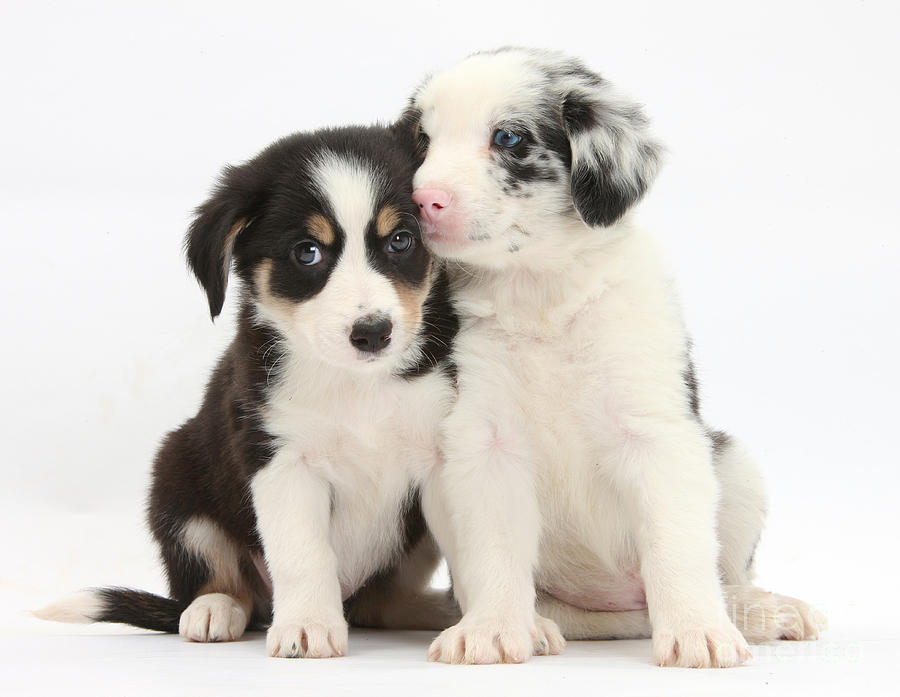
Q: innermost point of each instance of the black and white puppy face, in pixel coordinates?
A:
(517, 142)
(324, 237)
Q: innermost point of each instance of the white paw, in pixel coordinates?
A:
(496, 640)
(307, 639)
(762, 616)
(719, 645)
(549, 640)
(213, 617)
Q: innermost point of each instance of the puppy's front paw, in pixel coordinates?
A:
(307, 639)
(213, 617)
(549, 641)
(763, 616)
(497, 640)
(719, 645)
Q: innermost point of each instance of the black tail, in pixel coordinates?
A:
(138, 608)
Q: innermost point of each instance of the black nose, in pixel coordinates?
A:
(371, 334)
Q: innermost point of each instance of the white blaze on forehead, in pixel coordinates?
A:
(349, 186)
(354, 288)
(481, 90)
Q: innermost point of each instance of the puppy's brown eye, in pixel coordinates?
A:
(306, 253)
(401, 241)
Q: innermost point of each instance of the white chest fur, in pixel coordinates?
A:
(370, 439)
(573, 380)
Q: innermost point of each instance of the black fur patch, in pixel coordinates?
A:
(690, 382)
(578, 114)
(408, 131)
(234, 199)
(535, 159)
(275, 236)
(139, 609)
(440, 324)
(410, 267)
(555, 141)
(598, 198)
(721, 441)
(601, 193)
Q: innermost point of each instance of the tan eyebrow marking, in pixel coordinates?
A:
(318, 226)
(387, 221)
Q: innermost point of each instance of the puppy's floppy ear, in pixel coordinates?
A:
(614, 158)
(218, 221)
(408, 132)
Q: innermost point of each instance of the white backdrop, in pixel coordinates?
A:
(778, 207)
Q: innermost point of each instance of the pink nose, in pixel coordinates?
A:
(432, 203)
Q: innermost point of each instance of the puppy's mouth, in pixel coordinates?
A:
(371, 357)
(396, 352)
(443, 233)
(445, 240)
(391, 347)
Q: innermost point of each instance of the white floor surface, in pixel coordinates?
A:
(58, 551)
(102, 661)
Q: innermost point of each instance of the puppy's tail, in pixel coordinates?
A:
(137, 608)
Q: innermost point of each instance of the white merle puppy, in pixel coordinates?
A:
(576, 459)
(292, 496)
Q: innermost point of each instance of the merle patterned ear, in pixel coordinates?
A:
(614, 158)
(219, 220)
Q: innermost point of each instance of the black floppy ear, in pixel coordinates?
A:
(614, 158)
(408, 132)
(218, 221)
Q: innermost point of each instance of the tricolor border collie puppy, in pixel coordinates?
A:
(292, 496)
(577, 471)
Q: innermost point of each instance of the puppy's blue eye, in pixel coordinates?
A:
(506, 139)
(401, 241)
(306, 253)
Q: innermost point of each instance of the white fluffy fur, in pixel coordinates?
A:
(572, 456)
(353, 438)
(213, 617)
(81, 607)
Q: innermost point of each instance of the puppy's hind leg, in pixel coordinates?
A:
(759, 615)
(762, 616)
(222, 599)
(742, 509)
(577, 623)
(402, 598)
